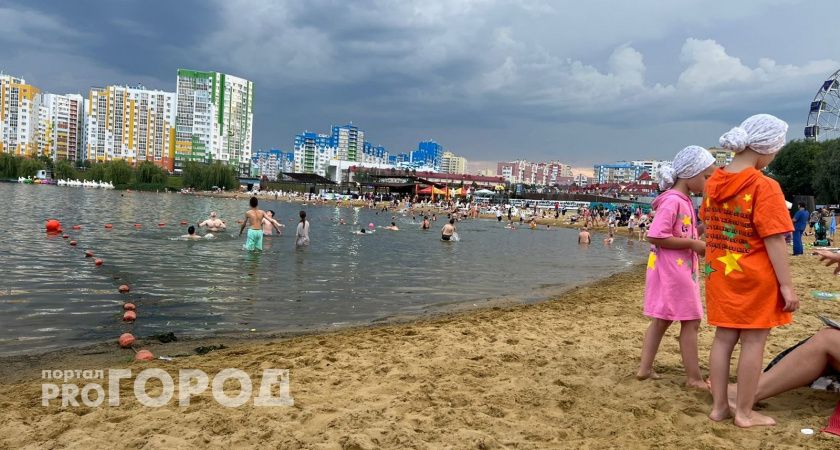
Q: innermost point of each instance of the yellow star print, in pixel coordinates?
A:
(747, 198)
(726, 206)
(731, 262)
(652, 261)
(686, 220)
(680, 262)
(708, 202)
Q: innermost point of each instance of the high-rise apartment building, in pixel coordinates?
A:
(620, 172)
(651, 166)
(61, 126)
(313, 152)
(271, 163)
(429, 155)
(450, 163)
(18, 116)
(214, 119)
(349, 142)
(374, 154)
(131, 123)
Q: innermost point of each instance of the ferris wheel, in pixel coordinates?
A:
(824, 116)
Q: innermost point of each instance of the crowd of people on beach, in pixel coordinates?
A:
(740, 234)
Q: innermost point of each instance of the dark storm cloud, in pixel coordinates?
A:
(576, 81)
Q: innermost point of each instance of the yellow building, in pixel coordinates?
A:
(18, 116)
(134, 124)
(450, 163)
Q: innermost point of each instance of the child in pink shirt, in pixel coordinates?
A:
(672, 291)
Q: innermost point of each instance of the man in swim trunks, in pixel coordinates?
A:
(254, 218)
(448, 230)
(213, 223)
(191, 234)
(269, 224)
(425, 225)
(584, 237)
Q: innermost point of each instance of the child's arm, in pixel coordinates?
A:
(777, 251)
(830, 258)
(677, 243)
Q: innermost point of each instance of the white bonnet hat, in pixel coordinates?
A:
(761, 133)
(689, 162)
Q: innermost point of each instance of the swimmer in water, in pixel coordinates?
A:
(191, 234)
(425, 225)
(213, 223)
(533, 223)
(269, 224)
(609, 239)
(254, 218)
(393, 227)
(584, 237)
(448, 230)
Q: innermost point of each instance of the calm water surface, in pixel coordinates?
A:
(51, 296)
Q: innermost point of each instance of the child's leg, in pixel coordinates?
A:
(653, 337)
(749, 371)
(724, 342)
(688, 350)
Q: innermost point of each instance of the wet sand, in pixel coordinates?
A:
(558, 374)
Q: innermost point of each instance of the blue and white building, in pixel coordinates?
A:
(313, 152)
(271, 163)
(619, 172)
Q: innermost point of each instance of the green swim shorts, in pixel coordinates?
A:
(254, 240)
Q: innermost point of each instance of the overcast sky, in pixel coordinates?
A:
(581, 82)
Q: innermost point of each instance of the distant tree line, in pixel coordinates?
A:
(809, 168)
(144, 176)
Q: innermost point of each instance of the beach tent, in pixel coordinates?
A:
(484, 192)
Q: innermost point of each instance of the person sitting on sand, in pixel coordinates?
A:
(254, 218)
(269, 224)
(448, 230)
(191, 234)
(213, 223)
(584, 237)
(393, 227)
(672, 292)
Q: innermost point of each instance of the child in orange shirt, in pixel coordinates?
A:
(748, 283)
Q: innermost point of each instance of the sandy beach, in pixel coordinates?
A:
(558, 374)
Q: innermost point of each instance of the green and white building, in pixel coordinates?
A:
(215, 118)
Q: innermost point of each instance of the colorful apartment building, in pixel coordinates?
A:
(61, 126)
(18, 116)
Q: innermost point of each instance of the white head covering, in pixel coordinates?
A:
(761, 133)
(689, 162)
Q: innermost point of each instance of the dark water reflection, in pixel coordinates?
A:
(52, 296)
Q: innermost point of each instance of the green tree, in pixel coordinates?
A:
(29, 167)
(9, 165)
(826, 182)
(96, 172)
(795, 166)
(148, 172)
(64, 170)
(46, 161)
(119, 172)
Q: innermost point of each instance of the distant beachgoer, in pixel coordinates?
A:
(584, 237)
(254, 218)
(425, 225)
(302, 234)
(213, 223)
(448, 230)
(800, 224)
(269, 224)
(609, 239)
(533, 223)
(631, 225)
(672, 290)
(393, 227)
(191, 234)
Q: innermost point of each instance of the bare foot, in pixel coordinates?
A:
(697, 384)
(648, 375)
(719, 416)
(753, 419)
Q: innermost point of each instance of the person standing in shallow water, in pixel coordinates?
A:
(302, 234)
(253, 217)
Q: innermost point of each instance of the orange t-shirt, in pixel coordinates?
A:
(740, 210)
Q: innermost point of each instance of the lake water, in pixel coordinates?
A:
(51, 296)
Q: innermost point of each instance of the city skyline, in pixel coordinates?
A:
(533, 80)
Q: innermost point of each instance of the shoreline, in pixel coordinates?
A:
(554, 374)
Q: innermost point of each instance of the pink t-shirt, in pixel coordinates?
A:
(672, 291)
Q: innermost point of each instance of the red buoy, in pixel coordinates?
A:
(77, 227)
(129, 316)
(183, 222)
(98, 262)
(161, 224)
(73, 243)
(88, 253)
(144, 355)
(137, 225)
(129, 307)
(126, 340)
(108, 225)
(65, 236)
(53, 226)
